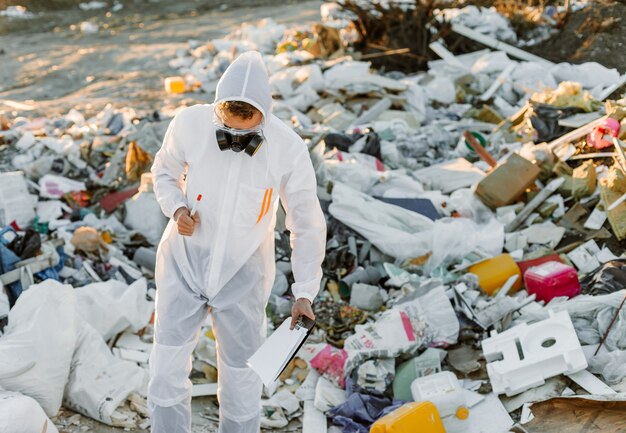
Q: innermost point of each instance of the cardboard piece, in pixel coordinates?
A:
(507, 182)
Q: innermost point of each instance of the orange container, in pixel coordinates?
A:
(175, 85)
(494, 272)
(412, 417)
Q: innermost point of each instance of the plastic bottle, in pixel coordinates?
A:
(494, 272)
(552, 279)
(412, 417)
(445, 392)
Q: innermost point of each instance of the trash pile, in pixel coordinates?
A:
(475, 270)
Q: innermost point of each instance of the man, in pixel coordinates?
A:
(241, 159)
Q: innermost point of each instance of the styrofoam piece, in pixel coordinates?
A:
(525, 356)
(591, 383)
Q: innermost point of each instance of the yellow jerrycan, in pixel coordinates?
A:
(413, 417)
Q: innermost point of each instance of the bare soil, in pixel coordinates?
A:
(594, 34)
(125, 63)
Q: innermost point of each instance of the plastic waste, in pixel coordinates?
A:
(53, 186)
(454, 238)
(550, 280)
(611, 277)
(26, 246)
(422, 417)
(16, 203)
(42, 326)
(395, 231)
(611, 365)
(175, 85)
(328, 395)
(143, 212)
(145, 257)
(367, 297)
(22, 414)
(99, 382)
(360, 410)
(330, 362)
(602, 135)
(493, 273)
(376, 374)
(507, 182)
(113, 306)
(425, 364)
(444, 391)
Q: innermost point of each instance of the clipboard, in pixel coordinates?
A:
(271, 359)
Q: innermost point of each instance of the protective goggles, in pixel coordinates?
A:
(238, 140)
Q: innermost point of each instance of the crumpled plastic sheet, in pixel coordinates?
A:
(330, 361)
(36, 349)
(454, 238)
(395, 231)
(611, 365)
(113, 306)
(360, 411)
(545, 120)
(610, 278)
(411, 324)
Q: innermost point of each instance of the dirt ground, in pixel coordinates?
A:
(594, 34)
(48, 72)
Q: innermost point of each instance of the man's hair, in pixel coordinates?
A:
(237, 108)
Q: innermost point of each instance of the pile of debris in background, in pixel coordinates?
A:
(476, 207)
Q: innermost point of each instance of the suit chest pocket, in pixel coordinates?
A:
(254, 205)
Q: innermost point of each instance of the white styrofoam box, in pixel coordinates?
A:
(524, 356)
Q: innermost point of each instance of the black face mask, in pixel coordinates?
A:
(248, 143)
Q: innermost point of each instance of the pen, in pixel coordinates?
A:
(195, 205)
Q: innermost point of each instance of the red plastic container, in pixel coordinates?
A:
(552, 279)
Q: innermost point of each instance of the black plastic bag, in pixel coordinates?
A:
(26, 246)
(609, 278)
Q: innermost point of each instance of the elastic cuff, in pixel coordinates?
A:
(174, 208)
(240, 419)
(167, 402)
(304, 295)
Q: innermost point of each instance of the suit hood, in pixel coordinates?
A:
(247, 80)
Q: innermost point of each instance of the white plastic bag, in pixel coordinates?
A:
(394, 333)
(112, 306)
(36, 349)
(456, 237)
(99, 382)
(436, 310)
(22, 414)
(392, 229)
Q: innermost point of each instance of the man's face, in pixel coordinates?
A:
(237, 122)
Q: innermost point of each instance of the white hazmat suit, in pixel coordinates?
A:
(228, 262)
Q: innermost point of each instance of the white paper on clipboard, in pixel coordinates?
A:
(272, 357)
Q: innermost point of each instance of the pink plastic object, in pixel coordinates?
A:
(552, 279)
(597, 139)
